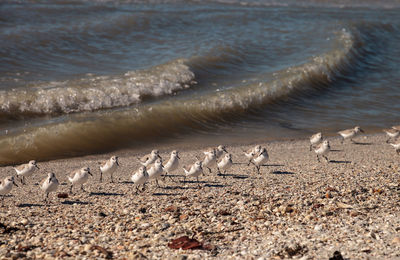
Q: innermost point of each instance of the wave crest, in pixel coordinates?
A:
(96, 92)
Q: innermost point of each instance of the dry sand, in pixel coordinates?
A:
(296, 208)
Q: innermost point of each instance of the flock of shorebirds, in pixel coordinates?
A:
(152, 165)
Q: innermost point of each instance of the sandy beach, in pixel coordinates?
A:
(296, 208)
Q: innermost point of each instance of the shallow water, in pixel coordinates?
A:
(80, 77)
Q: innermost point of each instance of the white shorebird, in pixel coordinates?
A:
(109, 167)
(49, 184)
(315, 139)
(397, 127)
(79, 177)
(225, 163)
(156, 170)
(6, 186)
(350, 133)
(172, 164)
(322, 149)
(149, 158)
(210, 159)
(393, 133)
(140, 177)
(219, 151)
(260, 159)
(396, 146)
(194, 171)
(26, 170)
(251, 153)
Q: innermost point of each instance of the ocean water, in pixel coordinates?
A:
(80, 77)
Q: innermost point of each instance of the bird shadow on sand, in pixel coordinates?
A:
(282, 172)
(105, 194)
(29, 205)
(126, 182)
(235, 176)
(343, 162)
(358, 143)
(205, 182)
(335, 150)
(178, 188)
(72, 202)
(165, 194)
(216, 185)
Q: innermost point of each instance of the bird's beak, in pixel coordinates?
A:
(90, 173)
(159, 156)
(225, 150)
(37, 166)
(117, 163)
(177, 156)
(15, 184)
(362, 131)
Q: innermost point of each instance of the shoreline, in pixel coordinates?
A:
(296, 208)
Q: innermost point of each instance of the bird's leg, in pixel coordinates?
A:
(101, 176)
(157, 183)
(169, 176)
(258, 169)
(318, 158)
(23, 180)
(70, 189)
(209, 170)
(112, 181)
(137, 190)
(219, 171)
(82, 188)
(224, 174)
(326, 158)
(310, 147)
(198, 182)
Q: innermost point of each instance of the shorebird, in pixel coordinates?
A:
(224, 164)
(156, 170)
(251, 153)
(322, 149)
(397, 127)
(315, 139)
(194, 171)
(109, 167)
(210, 159)
(392, 133)
(396, 146)
(49, 184)
(219, 151)
(350, 133)
(149, 158)
(6, 186)
(79, 177)
(26, 170)
(260, 159)
(140, 177)
(172, 163)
